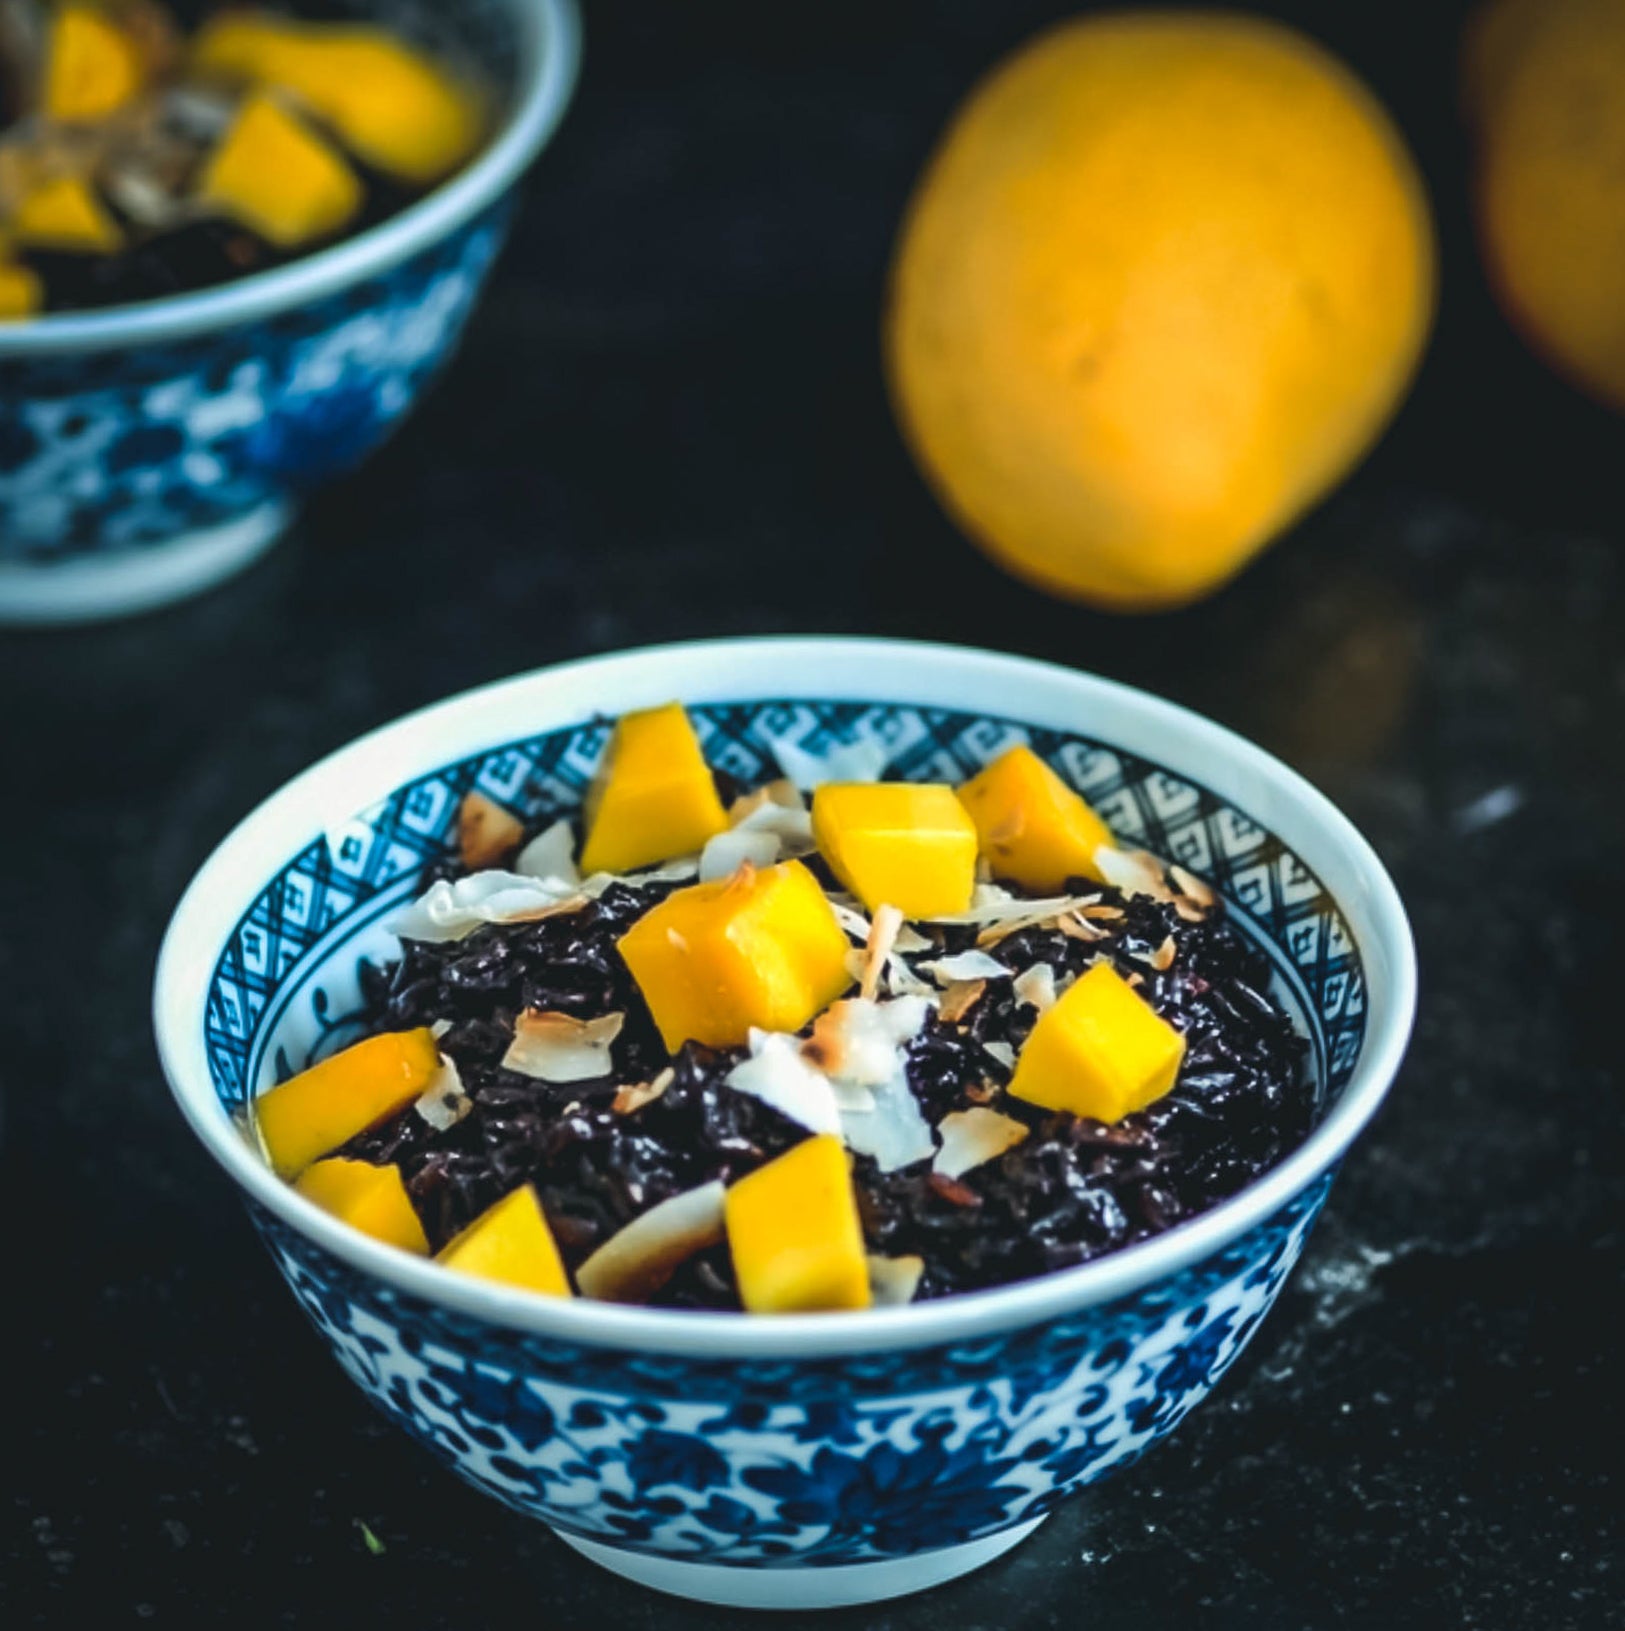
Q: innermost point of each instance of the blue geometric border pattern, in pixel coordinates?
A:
(294, 921)
(797, 1463)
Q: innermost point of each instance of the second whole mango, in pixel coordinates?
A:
(1164, 282)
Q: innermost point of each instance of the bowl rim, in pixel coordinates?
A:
(549, 58)
(907, 673)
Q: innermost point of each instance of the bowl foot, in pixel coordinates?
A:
(791, 1588)
(94, 588)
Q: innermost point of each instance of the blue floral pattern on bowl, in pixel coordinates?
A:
(105, 452)
(863, 1458)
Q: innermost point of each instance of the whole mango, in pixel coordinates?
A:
(1545, 83)
(1164, 281)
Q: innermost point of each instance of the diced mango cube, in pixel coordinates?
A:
(510, 1242)
(371, 1199)
(794, 1235)
(1034, 830)
(1102, 1051)
(92, 67)
(327, 1105)
(653, 796)
(273, 173)
(761, 948)
(21, 292)
(393, 107)
(65, 213)
(904, 844)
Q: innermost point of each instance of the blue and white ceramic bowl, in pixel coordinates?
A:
(806, 1460)
(149, 450)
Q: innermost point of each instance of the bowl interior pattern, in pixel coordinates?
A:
(774, 1463)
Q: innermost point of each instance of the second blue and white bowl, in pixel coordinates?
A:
(148, 451)
(808, 1460)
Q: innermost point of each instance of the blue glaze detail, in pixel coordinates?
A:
(107, 453)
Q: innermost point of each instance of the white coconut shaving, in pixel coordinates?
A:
(965, 965)
(1002, 1051)
(994, 905)
(636, 1261)
(635, 1095)
(893, 1281)
(864, 760)
(444, 1101)
(485, 831)
(776, 1074)
(910, 941)
(893, 1130)
(959, 999)
(724, 854)
(450, 910)
(553, 1047)
(1036, 987)
(972, 1137)
(551, 854)
(778, 809)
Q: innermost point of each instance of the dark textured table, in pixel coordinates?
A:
(668, 421)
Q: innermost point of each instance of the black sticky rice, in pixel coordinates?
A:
(1073, 1190)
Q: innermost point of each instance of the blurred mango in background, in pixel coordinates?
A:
(1545, 93)
(1163, 283)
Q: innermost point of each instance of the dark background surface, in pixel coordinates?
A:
(668, 421)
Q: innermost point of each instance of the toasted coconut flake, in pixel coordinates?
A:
(965, 965)
(1101, 912)
(791, 825)
(485, 831)
(451, 910)
(1036, 987)
(635, 1262)
(445, 1101)
(678, 871)
(858, 1040)
(982, 1092)
(893, 1281)
(782, 794)
(910, 940)
(1187, 883)
(725, 854)
(954, 1192)
(877, 949)
(972, 1137)
(1002, 1052)
(553, 1047)
(959, 999)
(777, 1074)
(551, 854)
(902, 981)
(1162, 958)
(637, 1094)
(861, 761)
(1134, 871)
(1075, 927)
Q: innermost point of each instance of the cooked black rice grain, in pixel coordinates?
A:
(1073, 1190)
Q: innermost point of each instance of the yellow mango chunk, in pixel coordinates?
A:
(1102, 1051)
(276, 175)
(65, 213)
(904, 844)
(653, 796)
(327, 1105)
(761, 948)
(21, 293)
(1033, 829)
(371, 1199)
(794, 1235)
(92, 67)
(510, 1242)
(392, 106)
